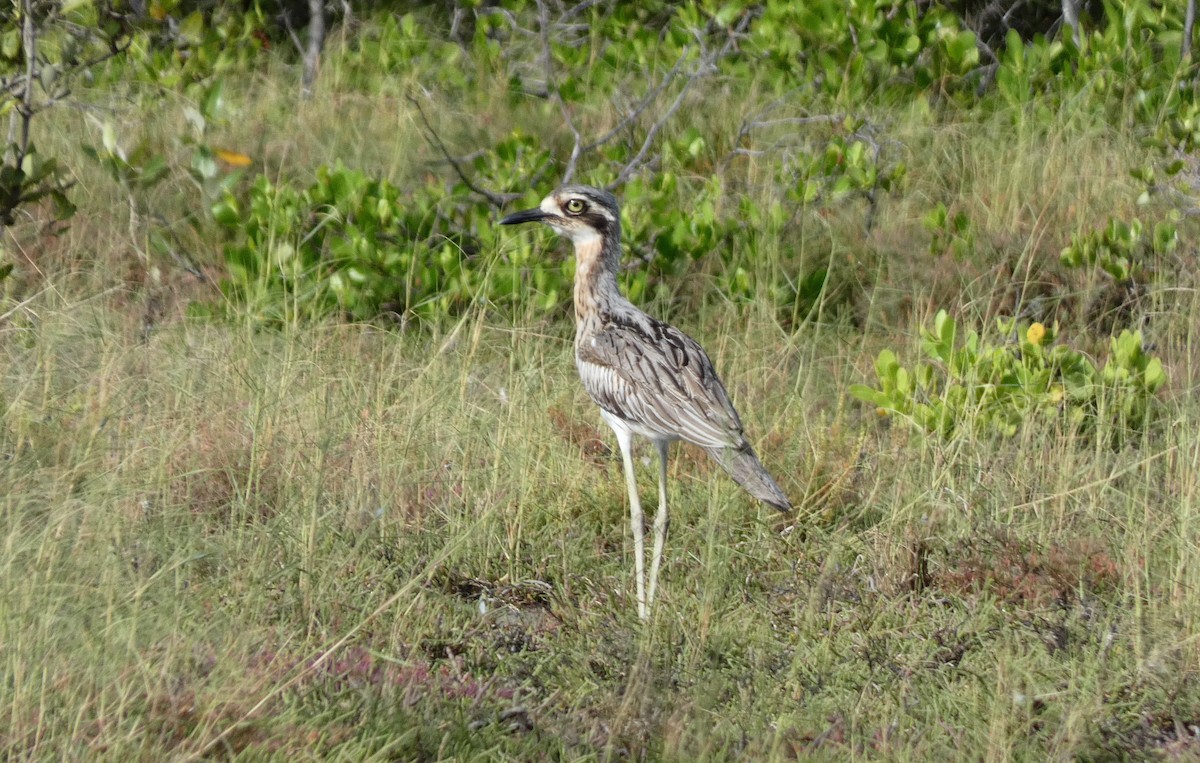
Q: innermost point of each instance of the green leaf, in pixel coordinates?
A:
(191, 29)
(870, 395)
(242, 262)
(1154, 375)
(963, 51)
(813, 284)
(1126, 347)
(63, 208)
(152, 172)
(725, 16)
(11, 180)
(935, 220)
(108, 138)
(946, 328)
(809, 192)
(1165, 237)
(408, 25)
(210, 107)
(886, 365)
(204, 164)
(225, 212)
(1117, 267)
(10, 43)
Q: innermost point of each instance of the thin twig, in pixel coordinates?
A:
(496, 198)
(580, 8)
(817, 119)
(706, 66)
(553, 91)
(569, 172)
(507, 15)
(471, 156)
(287, 25)
(312, 52)
(29, 43)
(22, 304)
(649, 98)
(20, 81)
(1189, 23)
(633, 165)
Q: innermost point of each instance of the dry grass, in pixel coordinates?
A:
(345, 541)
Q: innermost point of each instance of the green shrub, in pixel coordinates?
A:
(178, 48)
(1123, 250)
(849, 51)
(995, 385)
(950, 233)
(354, 245)
(359, 247)
(46, 49)
(346, 244)
(405, 43)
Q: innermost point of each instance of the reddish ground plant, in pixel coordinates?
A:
(1025, 573)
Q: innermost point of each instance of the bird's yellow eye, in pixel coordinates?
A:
(575, 206)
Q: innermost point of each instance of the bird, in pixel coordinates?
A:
(647, 377)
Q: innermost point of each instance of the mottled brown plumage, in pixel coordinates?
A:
(647, 377)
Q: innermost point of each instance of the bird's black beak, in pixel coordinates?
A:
(525, 216)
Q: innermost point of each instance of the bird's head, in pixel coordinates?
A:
(583, 214)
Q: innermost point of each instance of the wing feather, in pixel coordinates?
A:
(658, 379)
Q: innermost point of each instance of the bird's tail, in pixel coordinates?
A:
(748, 471)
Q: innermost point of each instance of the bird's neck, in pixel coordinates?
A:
(596, 291)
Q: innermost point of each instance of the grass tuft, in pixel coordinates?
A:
(366, 542)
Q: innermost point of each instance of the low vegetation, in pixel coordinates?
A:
(294, 462)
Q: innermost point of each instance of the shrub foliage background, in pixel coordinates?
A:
(293, 462)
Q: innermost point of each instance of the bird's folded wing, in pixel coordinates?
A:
(653, 375)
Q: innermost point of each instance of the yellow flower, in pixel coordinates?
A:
(1035, 333)
(233, 158)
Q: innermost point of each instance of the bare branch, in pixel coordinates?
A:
(654, 130)
(706, 65)
(496, 198)
(1070, 14)
(536, 177)
(569, 172)
(553, 91)
(17, 83)
(509, 17)
(312, 52)
(558, 29)
(636, 112)
(29, 43)
(1011, 10)
(818, 119)
(291, 30)
(1189, 23)
(579, 8)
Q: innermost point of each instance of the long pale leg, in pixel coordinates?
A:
(660, 520)
(636, 519)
